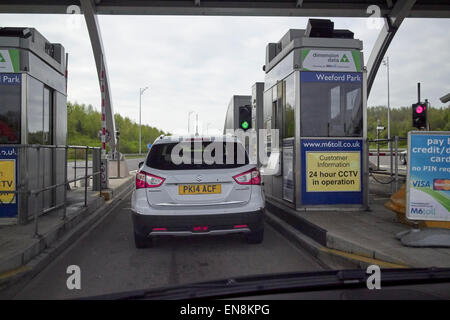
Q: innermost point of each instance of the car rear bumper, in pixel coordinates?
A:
(187, 225)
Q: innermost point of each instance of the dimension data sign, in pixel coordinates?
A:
(428, 184)
(327, 60)
(9, 60)
(332, 172)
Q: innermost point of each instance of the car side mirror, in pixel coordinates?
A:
(140, 164)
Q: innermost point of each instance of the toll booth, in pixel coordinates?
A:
(33, 111)
(315, 100)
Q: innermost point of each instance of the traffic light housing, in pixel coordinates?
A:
(419, 115)
(245, 117)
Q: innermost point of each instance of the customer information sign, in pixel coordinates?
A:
(8, 174)
(428, 181)
(333, 171)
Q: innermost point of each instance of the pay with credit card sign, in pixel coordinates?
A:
(428, 185)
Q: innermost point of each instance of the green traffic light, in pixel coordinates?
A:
(244, 125)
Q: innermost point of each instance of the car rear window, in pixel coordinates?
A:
(199, 155)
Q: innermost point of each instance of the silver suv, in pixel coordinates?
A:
(197, 186)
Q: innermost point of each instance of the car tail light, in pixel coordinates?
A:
(240, 226)
(147, 180)
(251, 176)
(159, 229)
(200, 228)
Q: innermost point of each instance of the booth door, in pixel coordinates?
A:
(40, 131)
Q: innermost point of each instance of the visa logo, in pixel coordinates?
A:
(421, 184)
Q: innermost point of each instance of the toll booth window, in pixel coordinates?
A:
(353, 112)
(267, 108)
(331, 104)
(48, 99)
(10, 101)
(39, 113)
(289, 120)
(35, 114)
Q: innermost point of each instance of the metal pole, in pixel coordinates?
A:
(103, 99)
(196, 124)
(389, 111)
(418, 92)
(388, 99)
(392, 169)
(140, 102)
(189, 120)
(396, 163)
(36, 227)
(118, 153)
(100, 172)
(75, 169)
(65, 185)
(378, 146)
(141, 91)
(86, 177)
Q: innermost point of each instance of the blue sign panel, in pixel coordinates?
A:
(428, 185)
(12, 79)
(330, 76)
(8, 182)
(331, 171)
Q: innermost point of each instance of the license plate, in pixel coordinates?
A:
(199, 188)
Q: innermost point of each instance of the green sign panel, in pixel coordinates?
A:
(9, 60)
(331, 60)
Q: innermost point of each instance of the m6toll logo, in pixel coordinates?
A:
(423, 211)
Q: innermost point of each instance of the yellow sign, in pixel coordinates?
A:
(199, 188)
(333, 171)
(7, 180)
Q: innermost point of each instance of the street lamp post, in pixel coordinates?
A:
(196, 124)
(141, 91)
(189, 121)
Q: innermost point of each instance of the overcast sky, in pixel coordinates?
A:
(198, 63)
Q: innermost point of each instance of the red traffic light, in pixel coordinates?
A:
(420, 109)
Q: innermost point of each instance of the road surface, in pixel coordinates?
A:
(110, 263)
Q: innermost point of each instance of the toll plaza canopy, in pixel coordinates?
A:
(323, 8)
(393, 12)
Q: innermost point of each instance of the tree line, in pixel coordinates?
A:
(84, 124)
(401, 121)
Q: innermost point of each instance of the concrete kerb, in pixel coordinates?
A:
(335, 252)
(25, 265)
(328, 258)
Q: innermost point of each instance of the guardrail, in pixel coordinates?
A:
(23, 189)
(393, 151)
